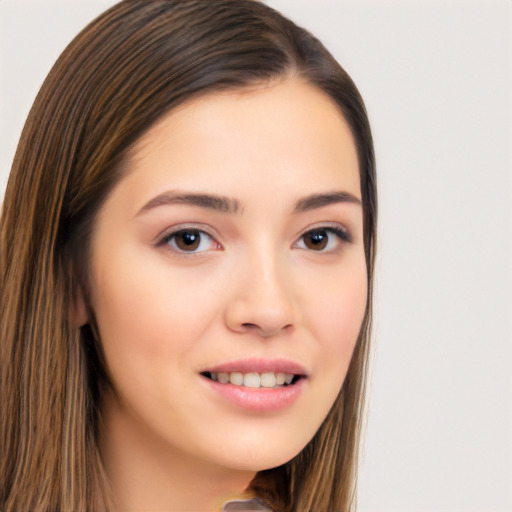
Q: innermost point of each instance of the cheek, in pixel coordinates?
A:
(336, 315)
(150, 310)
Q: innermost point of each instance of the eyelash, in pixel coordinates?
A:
(168, 238)
(342, 236)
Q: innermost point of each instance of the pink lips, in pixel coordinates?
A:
(258, 399)
(260, 366)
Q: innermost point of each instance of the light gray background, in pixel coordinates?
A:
(437, 80)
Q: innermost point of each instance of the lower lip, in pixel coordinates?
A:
(258, 399)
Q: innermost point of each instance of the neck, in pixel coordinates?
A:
(149, 473)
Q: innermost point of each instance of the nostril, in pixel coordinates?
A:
(265, 331)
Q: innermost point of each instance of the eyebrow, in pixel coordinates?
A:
(225, 204)
(314, 201)
(210, 201)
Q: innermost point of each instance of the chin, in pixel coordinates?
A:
(260, 456)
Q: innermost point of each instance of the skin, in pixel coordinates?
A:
(255, 290)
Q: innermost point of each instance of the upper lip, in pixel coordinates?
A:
(259, 365)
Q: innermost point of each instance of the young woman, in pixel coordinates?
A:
(187, 247)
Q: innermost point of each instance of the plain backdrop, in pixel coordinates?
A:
(437, 80)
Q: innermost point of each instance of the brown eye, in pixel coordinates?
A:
(189, 241)
(316, 240)
(324, 239)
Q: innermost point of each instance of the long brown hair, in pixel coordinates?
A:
(124, 71)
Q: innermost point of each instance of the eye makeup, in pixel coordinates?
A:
(191, 240)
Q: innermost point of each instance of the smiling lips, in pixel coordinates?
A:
(258, 385)
(253, 379)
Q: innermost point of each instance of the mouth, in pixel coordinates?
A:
(268, 380)
(256, 384)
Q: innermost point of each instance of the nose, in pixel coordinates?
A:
(262, 301)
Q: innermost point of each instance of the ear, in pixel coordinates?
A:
(79, 316)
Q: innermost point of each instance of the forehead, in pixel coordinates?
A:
(288, 133)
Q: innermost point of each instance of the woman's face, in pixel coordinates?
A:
(232, 249)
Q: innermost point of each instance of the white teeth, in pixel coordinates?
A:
(253, 379)
(280, 379)
(223, 378)
(268, 380)
(236, 378)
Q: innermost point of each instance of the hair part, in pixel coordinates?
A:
(120, 75)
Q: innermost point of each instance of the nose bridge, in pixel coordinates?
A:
(263, 300)
(269, 275)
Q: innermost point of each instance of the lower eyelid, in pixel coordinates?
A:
(167, 237)
(342, 234)
(342, 237)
